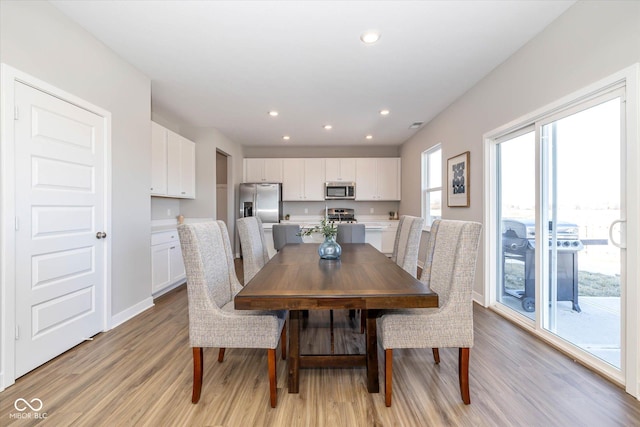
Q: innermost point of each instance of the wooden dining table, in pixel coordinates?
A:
(296, 279)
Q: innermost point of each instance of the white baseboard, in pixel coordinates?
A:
(2, 387)
(169, 288)
(131, 312)
(479, 298)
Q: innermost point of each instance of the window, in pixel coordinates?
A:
(432, 184)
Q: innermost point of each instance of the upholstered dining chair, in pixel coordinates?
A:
(350, 233)
(405, 249)
(254, 248)
(449, 270)
(407, 243)
(285, 233)
(213, 321)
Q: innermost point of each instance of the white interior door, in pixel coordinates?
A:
(60, 217)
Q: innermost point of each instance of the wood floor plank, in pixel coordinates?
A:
(140, 374)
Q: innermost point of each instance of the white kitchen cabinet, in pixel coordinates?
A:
(303, 180)
(181, 160)
(173, 164)
(158, 160)
(389, 238)
(340, 169)
(167, 266)
(263, 170)
(378, 179)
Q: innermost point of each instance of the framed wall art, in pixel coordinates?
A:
(458, 180)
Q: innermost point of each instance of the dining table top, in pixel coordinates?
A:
(296, 278)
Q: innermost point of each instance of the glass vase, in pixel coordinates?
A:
(330, 249)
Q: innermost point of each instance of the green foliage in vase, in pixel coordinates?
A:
(326, 228)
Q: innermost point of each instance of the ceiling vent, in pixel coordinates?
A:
(415, 125)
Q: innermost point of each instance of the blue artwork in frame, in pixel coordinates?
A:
(458, 180)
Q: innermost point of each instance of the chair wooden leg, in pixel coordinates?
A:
(436, 355)
(197, 374)
(283, 342)
(363, 320)
(221, 355)
(273, 393)
(388, 375)
(463, 373)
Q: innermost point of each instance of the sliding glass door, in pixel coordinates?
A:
(581, 202)
(559, 186)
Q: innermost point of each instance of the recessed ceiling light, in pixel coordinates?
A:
(369, 137)
(370, 37)
(273, 113)
(384, 112)
(286, 137)
(328, 127)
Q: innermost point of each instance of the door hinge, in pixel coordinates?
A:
(16, 113)
(17, 332)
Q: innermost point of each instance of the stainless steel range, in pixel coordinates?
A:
(337, 215)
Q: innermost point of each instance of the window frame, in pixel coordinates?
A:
(426, 186)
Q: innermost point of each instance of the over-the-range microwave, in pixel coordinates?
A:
(340, 191)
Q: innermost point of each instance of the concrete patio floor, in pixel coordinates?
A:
(596, 328)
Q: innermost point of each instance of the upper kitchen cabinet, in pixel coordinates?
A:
(158, 160)
(303, 180)
(181, 180)
(262, 170)
(378, 179)
(173, 164)
(340, 170)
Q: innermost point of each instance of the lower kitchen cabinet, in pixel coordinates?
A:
(167, 266)
(388, 238)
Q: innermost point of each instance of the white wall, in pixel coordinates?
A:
(587, 43)
(39, 40)
(208, 141)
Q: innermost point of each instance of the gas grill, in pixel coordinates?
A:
(518, 243)
(340, 215)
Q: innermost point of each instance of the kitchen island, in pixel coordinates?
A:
(379, 232)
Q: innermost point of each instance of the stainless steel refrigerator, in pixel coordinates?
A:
(263, 200)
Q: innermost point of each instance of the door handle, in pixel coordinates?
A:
(101, 235)
(619, 245)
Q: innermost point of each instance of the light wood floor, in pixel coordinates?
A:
(140, 374)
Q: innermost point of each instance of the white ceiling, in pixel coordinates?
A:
(225, 64)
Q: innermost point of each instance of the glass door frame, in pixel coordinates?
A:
(627, 80)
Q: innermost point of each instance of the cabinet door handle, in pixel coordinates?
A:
(172, 247)
(184, 192)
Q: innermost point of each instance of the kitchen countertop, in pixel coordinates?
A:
(160, 225)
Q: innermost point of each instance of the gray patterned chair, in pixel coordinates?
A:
(407, 243)
(211, 287)
(285, 233)
(350, 233)
(254, 248)
(449, 270)
(405, 249)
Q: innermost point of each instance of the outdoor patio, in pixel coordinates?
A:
(596, 328)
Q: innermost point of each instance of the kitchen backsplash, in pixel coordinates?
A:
(361, 208)
(167, 208)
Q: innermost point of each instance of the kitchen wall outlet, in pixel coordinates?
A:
(371, 210)
(306, 210)
(168, 212)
